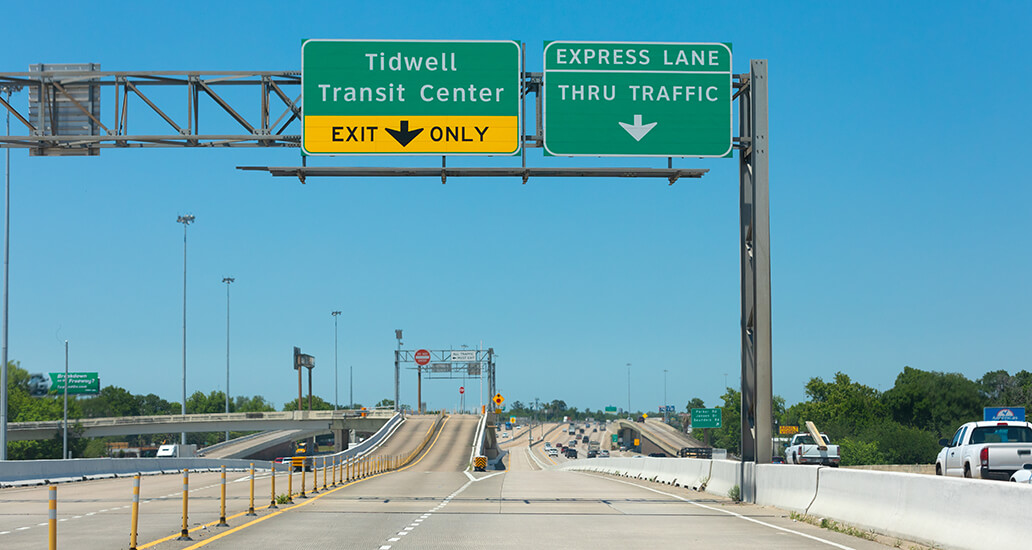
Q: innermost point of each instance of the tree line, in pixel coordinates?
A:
(901, 425)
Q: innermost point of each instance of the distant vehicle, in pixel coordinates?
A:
(623, 448)
(552, 451)
(592, 454)
(176, 451)
(594, 430)
(802, 449)
(505, 435)
(584, 439)
(508, 425)
(603, 454)
(39, 384)
(777, 460)
(1024, 475)
(571, 453)
(986, 450)
(657, 455)
(695, 452)
(640, 419)
(573, 431)
(572, 443)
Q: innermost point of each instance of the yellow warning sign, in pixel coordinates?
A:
(498, 399)
(406, 135)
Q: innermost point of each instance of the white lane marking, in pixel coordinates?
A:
(409, 528)
(44, 524)
(76, 517)
(63, 519)
(414, 524)
(403, 533)
(24, 528)
(5, 532)
(730, 513)
(393, 539)
(90, 513)
(385, 547)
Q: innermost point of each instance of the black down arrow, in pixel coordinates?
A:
(404, 136)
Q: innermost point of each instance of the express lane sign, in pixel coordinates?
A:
(645, 99)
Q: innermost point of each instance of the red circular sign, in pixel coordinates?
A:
(462, 389)
(422, 357)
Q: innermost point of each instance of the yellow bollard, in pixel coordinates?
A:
(222, 507)
(302, 495)
(185, 533)
(336, 480)
(250, 509)
(324, 473)
(290, 485)
(134, 523)
(315, 477)
(272, 501)
(52, 517)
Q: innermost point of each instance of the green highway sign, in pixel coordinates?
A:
(706, 418)
(637, 99)
(79, 383)
(405, 97)
(610, 409)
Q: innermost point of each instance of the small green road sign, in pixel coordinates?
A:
(614, 436)
(610, 409)
(706, 418)
(405, 97)
(79, 383)
(637, 99)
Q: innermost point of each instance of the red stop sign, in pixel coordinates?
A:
(462, 389)
(422, 357)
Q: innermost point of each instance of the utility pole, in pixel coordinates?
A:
(64, 447)
(665, 418)
(628, 390)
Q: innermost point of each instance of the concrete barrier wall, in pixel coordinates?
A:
(724, 474)
(22, 472)
(946, 512)
(791, 487)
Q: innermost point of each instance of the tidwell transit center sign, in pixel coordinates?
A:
(410, 97)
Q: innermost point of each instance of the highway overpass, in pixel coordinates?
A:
(366, 421)
(655, 435)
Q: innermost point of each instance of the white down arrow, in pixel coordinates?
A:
(637, 130)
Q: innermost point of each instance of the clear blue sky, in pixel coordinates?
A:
(899, 214)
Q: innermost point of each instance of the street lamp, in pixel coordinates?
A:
(336, 402)
(227, 280)
(664, 397)
(397, 371)
(186, 221)
(628, 390)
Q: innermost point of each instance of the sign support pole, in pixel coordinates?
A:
(64, 447)
(757, 416)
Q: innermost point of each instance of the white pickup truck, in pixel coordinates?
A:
(987, 450)
(803, 450)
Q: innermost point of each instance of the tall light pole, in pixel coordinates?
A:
(64, 446)
(228, 281)
(628, 390)
(664, 397)
(336, 402)
(186, 221)
(7, 256)
(397, 371)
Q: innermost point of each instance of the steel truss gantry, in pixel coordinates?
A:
(155, 109)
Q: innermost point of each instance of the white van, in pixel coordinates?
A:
(176, 451)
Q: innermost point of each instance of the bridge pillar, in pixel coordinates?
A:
(341, 440)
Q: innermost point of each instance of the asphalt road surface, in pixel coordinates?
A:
(433, 503)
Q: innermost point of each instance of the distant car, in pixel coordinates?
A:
(603, 454)
(552, 451)
(594, 429)
(777, 460)
(571, 453)
(657, 455)
(505, 435)
(592, 454)
(1023, 475)
(623, 449)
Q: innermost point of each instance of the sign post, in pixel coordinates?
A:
(641, 99)
(407, 97)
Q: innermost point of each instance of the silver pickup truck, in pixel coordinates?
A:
(988, 450)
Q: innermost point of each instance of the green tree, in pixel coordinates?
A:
(934, 401)
(110, 402)
(839, 408)
(318, 404)
(695, 403)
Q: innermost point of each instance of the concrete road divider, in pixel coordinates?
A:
(944, 512)
(790, 487)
